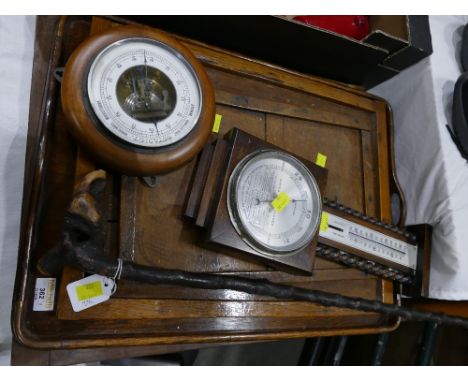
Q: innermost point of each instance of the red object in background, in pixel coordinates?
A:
(356, 27)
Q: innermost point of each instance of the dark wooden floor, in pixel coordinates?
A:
(404, 346)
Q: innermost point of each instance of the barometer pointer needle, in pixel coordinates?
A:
(147, 91)
(258, 201)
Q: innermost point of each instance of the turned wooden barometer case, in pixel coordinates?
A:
(137, 100)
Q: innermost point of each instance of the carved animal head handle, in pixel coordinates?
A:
(82, 232)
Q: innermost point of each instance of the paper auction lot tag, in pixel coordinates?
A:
(90, 291)
(44, 294)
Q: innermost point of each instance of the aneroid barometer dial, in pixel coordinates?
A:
(138, 100)
(144, 93)
(274, 202)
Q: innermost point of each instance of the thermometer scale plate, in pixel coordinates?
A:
(351, 238)
(376, 244)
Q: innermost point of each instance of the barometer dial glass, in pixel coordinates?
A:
(144, 92)
(274, 202)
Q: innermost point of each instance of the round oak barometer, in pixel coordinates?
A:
(137, 100)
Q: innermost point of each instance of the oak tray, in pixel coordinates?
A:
(298, 113)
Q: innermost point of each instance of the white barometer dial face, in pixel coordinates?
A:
(274, 202)
(144, 92)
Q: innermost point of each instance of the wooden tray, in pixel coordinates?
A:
(299, 113)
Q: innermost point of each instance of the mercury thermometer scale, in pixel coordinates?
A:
(362, 238)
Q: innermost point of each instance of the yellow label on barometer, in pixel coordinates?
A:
(281, 201)
(321, 160)
(324, 222)
(217, 123)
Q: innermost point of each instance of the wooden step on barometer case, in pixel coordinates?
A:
(299, 114)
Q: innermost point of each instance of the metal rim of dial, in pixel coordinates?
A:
(241, 222)
(135, 157)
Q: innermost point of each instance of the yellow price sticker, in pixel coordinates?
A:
(217, 123)
(281, 201)
(324, 222)
(91, 290)
(321, 160)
